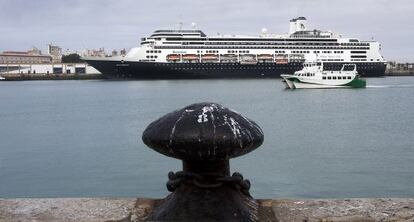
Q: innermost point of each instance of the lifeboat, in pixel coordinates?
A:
(297, 57)
(209, 57)
(281, 59)
(228, 58)
(248, 59)
(190, 57)
(265, 57)
(173, 57)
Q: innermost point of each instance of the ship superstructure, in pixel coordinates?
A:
(192, 54)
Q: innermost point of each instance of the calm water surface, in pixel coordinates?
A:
(83, 138)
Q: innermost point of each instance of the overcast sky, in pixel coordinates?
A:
(116, 24)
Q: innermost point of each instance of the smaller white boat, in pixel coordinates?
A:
(2, 78)
(312, 76)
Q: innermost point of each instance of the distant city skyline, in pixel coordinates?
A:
(77, 25)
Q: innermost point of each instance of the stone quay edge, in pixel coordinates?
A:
(137, 209)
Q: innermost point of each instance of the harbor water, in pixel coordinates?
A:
(83, 138)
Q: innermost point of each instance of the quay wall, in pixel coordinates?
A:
(137, 209)
(396, 72)
(24, 77)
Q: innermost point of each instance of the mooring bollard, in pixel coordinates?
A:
(205, 136)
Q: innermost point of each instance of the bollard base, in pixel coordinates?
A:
(190, 203)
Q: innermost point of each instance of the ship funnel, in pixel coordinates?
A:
(292, 26)
(297, 24)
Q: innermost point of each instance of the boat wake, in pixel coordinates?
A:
(391, 86)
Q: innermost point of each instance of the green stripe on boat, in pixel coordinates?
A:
(357, 83)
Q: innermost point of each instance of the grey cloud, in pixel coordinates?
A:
(77, 24)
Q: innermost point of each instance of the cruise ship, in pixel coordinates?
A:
(177, 54)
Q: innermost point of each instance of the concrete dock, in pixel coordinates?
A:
(25, 77)
(133, 209)
(399, 72)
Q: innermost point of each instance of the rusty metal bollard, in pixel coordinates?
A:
(205, 136)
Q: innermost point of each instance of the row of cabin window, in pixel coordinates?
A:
(152, 57)
(252, 40)
(256, 47)
(342, 48)
(314, 40)
(283, 47)
(255, 43)
(235, 51)
(238, 67)
(153, 51)
(301, 52)
(355, 44)
(332, 59)
(335, 77)
(329, 52)
(274, 43)
(267, 43)
(362, 60)
(228, 65)
(307, 74)
(325, 52)
(247, 51)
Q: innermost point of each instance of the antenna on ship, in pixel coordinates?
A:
(180, 23)
(194, 25)
(264, 32)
